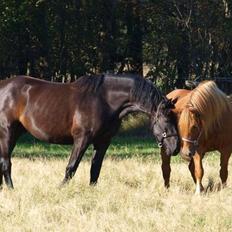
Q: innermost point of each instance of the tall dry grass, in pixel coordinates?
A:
(129, 197)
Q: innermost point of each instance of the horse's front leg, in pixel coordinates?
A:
(99, 153)
(1, 174)
(199, 172)
(166, 168)
(80, 145)
(224, 159)
(192, 170)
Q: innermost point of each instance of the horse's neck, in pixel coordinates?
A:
(181, 103)
(219, 135)
(119, 95)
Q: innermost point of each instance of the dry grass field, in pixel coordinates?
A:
(129, 197)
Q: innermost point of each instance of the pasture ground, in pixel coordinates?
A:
(129, 197)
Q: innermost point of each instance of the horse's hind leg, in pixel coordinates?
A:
(8, 140)
(5, 162)
(6, 169)
(225, 156)
(96, 164)
(166, 168)
(80, 145)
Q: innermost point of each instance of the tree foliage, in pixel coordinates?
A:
(62, 40)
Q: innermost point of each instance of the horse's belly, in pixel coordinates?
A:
(52, 131)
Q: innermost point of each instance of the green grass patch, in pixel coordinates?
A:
(122, 147)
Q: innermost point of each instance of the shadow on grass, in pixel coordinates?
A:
(122, 147)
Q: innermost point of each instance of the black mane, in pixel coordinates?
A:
(146, 93)
(143, 91)
(90, 83)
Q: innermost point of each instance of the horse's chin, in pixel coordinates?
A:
(169, 152)
(185, 157)
(175, 153)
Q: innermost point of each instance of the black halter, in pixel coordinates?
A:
(164, 136)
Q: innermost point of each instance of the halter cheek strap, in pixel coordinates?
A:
(164, 134)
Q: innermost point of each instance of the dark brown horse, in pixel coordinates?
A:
(88, 111)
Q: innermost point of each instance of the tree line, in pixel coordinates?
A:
(168, 41)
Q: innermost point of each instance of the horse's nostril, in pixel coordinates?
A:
(175, 152)
(191, 153)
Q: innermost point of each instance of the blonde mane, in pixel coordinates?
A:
(210, 103)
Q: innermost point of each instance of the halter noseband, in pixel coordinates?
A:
(164, 136)
(194, 142)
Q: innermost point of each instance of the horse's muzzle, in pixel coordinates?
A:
(185, 156)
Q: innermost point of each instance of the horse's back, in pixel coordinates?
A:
(44, 109)
(178, 93)
(24, 91)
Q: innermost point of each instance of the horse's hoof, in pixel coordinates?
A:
(10, 187)
(199, 189)
(217, 187)
(93, 183)
(63, 184)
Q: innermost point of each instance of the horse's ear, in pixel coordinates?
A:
(174, 101)
(171, 103)
(190, 107)
(193, 110)
(167, 105)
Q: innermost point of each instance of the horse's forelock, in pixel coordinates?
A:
(185, 120)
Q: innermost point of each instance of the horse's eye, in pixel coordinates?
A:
(198, 115)
(195, 127)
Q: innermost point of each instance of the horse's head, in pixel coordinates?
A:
(190, 130)
(164, 127)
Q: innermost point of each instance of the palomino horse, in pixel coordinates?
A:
(223, 83)
(205, 125)
(88, 111)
